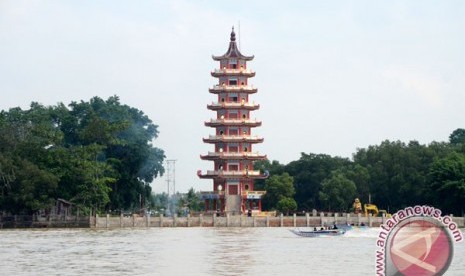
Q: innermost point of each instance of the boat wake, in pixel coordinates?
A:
(367, 232)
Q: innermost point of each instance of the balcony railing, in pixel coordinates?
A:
(234, 88)
(248, 122)
(217, 105)
(253, 194)
(233, 138)
(212, 194)
(233, 71)
(233, 105)
(234, 154)
(232, 174)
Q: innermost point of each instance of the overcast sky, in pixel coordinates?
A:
(332, 76)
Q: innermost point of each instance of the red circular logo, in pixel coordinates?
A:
(420, 246)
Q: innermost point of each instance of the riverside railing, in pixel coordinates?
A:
(213, 220)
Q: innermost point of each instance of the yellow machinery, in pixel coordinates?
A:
(368, 208)
(373, 210)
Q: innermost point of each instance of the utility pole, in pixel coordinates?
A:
(171, 176)
(171, 185)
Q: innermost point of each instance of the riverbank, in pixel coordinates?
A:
(202, 220)
(307, 220)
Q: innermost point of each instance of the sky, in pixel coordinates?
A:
(332, 76)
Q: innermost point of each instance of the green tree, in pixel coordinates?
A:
(126, 135)
(278, 187)
(308, 173)
(193, 200)
(97, 154)
(457, 136)
(273, 168)
(286, 205)
(398, 172)
(337, 192)
(160, 201)
(361, 177)
(448, 182)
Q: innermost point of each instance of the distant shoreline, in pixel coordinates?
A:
(208, 220)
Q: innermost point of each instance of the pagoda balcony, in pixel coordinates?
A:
(221, 174)
(233, 122)
(253, 194)
(232, 72)
(233, 156)
(233, 105)
(233, 139)
(212, 195)
(233, 88)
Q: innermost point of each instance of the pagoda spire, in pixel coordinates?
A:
(233, 35)
(233, 51)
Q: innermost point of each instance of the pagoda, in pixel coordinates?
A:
(233, 156)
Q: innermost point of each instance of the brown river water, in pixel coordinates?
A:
(191, 251)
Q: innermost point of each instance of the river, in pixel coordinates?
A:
(191, 251)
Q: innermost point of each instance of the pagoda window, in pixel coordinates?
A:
(233, 82)
(233, 167)
(234, 99)
(222, 100)
(244, 116)
(233, 63)
(233, 149)
(233, 131)
(221, 132)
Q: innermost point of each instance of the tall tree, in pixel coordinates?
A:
(448, 182)
(457, 136)
(337, 192)
(278, 187)
(97, 154)
(308, 173)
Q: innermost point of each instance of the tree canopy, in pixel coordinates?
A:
(393, 175)
(96, 154)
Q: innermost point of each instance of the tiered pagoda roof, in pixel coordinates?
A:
(233, 51)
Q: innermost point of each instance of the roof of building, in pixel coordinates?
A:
(233, 51)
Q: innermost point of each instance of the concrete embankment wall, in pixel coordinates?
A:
(308, 220)
(46, 222)
(243, 221)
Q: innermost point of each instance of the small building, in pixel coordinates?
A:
(233, 157)
(62, 208)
